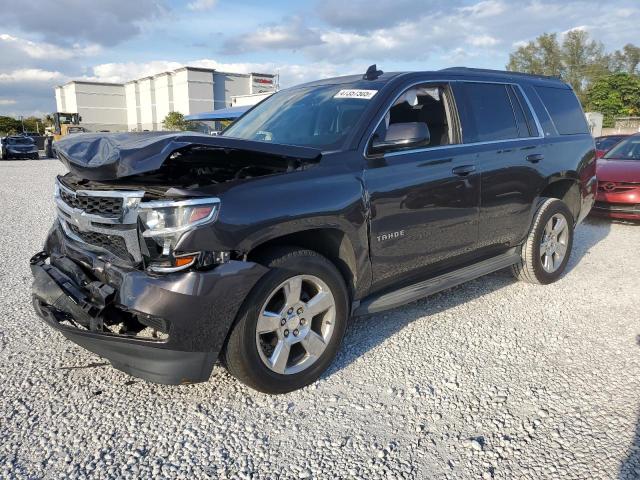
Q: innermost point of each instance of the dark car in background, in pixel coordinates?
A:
(18, 146)
(606, 143)
(618, 175)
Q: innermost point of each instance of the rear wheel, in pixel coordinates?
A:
(546, 251)
(290, 327)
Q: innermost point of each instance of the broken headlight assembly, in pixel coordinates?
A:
(162, 225)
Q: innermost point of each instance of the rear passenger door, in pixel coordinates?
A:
(498, 124)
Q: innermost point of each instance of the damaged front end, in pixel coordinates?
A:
(115, 275)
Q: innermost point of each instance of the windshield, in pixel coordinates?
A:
(319, 117)
(20, 141)
(628, 149)
(607, 142)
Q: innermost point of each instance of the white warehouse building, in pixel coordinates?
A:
(142, 104)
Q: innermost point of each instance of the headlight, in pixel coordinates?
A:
(164, 222)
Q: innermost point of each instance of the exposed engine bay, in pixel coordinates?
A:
(196, 167)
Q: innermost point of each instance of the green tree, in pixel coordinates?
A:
(174, 121)
(626, 60)
(584, 61)
(34, 124)
(9, 125)
(540, 57)
(578, 60)
(614, 96)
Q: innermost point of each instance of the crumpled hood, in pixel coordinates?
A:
(627, 171)
(108, 156)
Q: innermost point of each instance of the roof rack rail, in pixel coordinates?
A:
(500, 72)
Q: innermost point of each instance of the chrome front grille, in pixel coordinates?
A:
(113, 243)
(105, 206)
(102, 220)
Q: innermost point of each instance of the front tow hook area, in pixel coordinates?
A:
(53, 288)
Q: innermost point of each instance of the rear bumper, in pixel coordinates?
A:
(18, 155)
(194, 309)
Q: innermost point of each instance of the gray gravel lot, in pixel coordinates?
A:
(493, 379)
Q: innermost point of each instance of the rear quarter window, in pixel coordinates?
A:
(564, 109)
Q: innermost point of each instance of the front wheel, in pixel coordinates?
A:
(546, 251)
(291, 325)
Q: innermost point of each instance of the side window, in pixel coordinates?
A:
(429, 104)
(564, 109)
(487, 114)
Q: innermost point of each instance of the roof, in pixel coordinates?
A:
(230, 113)
(87, 82)
(357, 81)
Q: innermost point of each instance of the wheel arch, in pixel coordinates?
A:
(332, 243)
(566, 189)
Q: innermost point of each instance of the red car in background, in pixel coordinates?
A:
(618, 174)
(606, 143)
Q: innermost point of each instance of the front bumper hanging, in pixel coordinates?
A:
(198, 309)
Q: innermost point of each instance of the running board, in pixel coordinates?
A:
(423, 289)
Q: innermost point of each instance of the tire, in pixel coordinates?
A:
(251, 357)
(543, 261)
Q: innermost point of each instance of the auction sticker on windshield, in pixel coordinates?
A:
(363, 94)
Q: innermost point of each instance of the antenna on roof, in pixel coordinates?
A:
(372, 73)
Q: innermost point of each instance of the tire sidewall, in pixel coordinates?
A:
(553, 208)
(264, 378)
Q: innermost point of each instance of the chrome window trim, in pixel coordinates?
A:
(457, 145)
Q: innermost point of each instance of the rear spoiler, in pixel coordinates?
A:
(108, 156)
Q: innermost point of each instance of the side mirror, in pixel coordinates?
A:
(402, 136)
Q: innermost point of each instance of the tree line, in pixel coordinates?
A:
(12, 126)
(608, 83)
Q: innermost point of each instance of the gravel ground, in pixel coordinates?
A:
(493, 379)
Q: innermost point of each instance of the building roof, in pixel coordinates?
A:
(89, 82)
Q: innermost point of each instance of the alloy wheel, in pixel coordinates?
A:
(553, 246)
(295, 324)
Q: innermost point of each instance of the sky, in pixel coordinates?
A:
(44, 44)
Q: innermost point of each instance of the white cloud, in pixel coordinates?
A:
(488, 29)
(45, 50)
(201, 5)
(105, 22)
(31, 75)
(290, 74)
(483, 41)
(291, 34)
(7, 101)
(484, 9)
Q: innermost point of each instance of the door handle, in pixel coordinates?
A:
(464, 170)
(535, 157)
